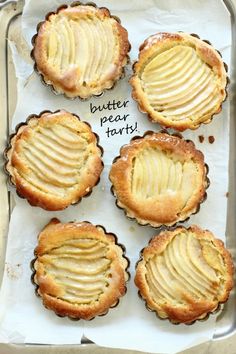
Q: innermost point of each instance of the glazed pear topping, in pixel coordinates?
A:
(54, 157)
(80, 268)
(156, 173)
(81, 50)
(87, 44)
(179, 84)
(181, 273)
(159, 177)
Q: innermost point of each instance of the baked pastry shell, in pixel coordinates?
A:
(50, 85)
(36, 286)
(112, 189)
(205, 317)
(9, 147)
(180, 127)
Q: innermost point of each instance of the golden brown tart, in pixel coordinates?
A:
(80, 270)
(159, 179)
(80, 50)
(184, 274)
(179, 80)
(54, 160)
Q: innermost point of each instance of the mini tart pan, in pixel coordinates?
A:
(182, 127)
(8, 150)
(160, 241)
(50, 85)
(120, 274)
(154, 225)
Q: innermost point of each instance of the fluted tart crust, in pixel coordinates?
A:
(80, 270)
(54, 160)
(179, 80)
(80, 50)
(184, 274)
(159, 179)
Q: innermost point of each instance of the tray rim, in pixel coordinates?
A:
(231, 7)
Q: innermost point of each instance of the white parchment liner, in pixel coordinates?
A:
(130, 325)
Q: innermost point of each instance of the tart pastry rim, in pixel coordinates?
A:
(138, 95)
(143, 222)
(163, 239)
(112, 238)
(9, 148)
(51, 85)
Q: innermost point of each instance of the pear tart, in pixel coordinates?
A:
(179, 80)
(80, 50)
(159, 179)
(80, 270)
(184, 274)
(53, 160)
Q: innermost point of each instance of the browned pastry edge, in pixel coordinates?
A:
(124, 199)
(197, 311)
(205, 50)
(51, 236)
(48, 203)
(45, 73)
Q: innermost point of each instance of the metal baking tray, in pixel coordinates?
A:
(10, 15)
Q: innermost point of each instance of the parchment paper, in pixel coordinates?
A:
(130, 325)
